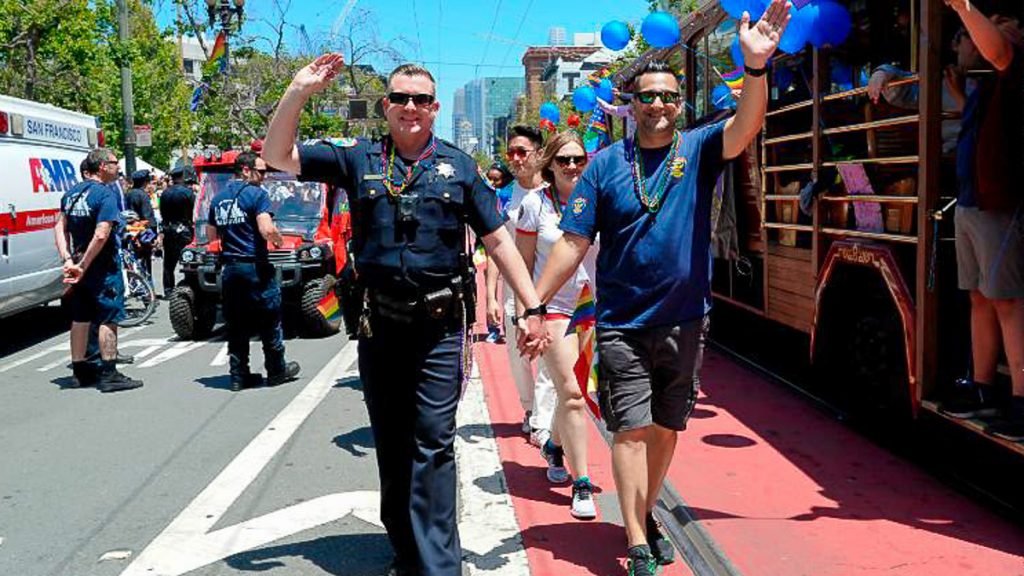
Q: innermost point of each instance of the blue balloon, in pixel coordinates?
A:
(801, 23)
(615, 35)
(842, 75)
(757, 8)
(833, 25)
(584, 99)
(550, 111)
(604, 90)
(660, 29)
(737, 52)
(734, 8)
(721, 97)
(783, 77)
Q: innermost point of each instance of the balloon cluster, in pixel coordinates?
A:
(550, 116)
(659, 29)
(822, 23)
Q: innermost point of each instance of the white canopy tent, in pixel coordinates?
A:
(141, 164)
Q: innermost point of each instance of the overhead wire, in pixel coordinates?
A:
(416, 25)
(519, 28)
(494, 22)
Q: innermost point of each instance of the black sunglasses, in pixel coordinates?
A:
(564, 161)
(401, 99)
(649, 97)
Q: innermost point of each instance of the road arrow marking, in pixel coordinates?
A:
(187, 543)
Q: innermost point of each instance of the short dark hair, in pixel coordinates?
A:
(245, 160)
(83, 167)
(95, 159)
(652, 67)
(529, 132)
(411, 70)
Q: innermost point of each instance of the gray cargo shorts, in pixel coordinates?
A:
(990, 252)
(650, 375)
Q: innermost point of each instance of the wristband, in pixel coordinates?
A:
(538, 311)
(755, 72)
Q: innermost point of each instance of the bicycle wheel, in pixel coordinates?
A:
(139, 299)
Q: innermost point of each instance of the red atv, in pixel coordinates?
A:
(315, 222)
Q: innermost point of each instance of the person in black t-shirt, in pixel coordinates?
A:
(177, 229)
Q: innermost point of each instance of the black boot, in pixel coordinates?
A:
(241, 381)
(85, 373)
(113, 381)
(290, 371)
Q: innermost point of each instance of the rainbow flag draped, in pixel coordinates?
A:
(218, 60)
(584, 318)
(329, 307)
(734, 79)
(216, 64)
(596, 136)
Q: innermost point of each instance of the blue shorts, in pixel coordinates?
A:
(98, 299)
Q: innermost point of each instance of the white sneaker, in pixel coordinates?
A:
(583, 500)
(539, 437)
(526, 423)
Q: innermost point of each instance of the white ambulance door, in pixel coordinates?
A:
(6, 224)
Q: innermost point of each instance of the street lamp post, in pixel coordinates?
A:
(225, 11)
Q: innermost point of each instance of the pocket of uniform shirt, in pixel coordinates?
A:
(443, 203)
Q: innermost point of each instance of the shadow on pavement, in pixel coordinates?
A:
(353, 382)
(342, 555)
(358, 442)
(220, 382)
(31, 327)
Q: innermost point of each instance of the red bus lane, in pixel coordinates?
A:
(779, 486)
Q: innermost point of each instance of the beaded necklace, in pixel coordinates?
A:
(387, 161)
(651, 201)
(553, 197)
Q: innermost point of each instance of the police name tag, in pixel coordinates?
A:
(371, 177)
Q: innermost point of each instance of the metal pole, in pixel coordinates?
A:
(127, 107)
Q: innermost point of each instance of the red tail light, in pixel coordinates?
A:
(5, 124)
(102, 139)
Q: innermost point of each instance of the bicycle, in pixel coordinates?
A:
(140, 300)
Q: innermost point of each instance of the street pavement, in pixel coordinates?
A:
(185, 476)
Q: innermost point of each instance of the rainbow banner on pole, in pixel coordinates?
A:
(584, 318)
(734, 79)
(218, 60)
(329, 306)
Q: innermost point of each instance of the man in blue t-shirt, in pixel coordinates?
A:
(650, 200)
(240, 217)
(88, 219)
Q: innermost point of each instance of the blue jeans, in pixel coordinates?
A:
(252, 302)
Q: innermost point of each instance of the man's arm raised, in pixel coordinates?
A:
(279, 148)
(758, 43)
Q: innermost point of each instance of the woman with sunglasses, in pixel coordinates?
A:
(536, 233)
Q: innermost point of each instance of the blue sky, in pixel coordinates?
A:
(453, 38)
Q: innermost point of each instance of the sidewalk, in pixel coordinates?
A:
(781, 489)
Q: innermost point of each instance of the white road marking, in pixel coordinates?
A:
(221, 359)
(65, 345)
(58, 362)
(179, 349)
(116, 555)
(187, 543)
(147, 351)
(487, 522)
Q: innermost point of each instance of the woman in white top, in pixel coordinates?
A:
(537, 232)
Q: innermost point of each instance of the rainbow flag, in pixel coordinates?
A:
(584, 318)
(218, 60)
(734, 79)
(329, 306)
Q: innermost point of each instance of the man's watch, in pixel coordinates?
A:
(536, 311)
(755, 72)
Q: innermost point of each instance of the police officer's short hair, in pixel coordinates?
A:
(95, 159)
(411, 70)
(245, 160)
(529, 132)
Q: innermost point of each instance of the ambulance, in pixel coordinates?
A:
(41, 147)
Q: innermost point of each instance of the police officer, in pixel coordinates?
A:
(88, 220)
(240, 216)
(177, 228)
(412, 196)
(137, 201)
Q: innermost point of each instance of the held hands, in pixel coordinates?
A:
(494, 312)
(533, 338)
(758, 42)
(319, 74)
(72, 272)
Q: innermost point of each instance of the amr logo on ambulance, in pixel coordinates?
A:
(51, 175)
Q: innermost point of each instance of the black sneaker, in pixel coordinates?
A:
(971, 400)
(640, 562)
(86, 375)
(114, 381)
(661, 547)
(291, 370)
(1011, 425)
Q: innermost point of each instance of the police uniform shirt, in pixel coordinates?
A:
(422, 252)
(176, 205)
(138, 201)
(84, 206)
(234, 213)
